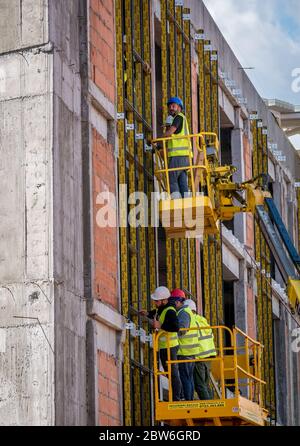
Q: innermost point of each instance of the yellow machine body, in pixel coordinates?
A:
(214, 196)
(233, 368)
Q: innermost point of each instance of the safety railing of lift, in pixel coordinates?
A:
(248, 371)
(200, 142)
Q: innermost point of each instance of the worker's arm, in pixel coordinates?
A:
(184, 322)
(149, 314)
(151, 317)
(171, 130)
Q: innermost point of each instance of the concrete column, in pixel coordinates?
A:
(27, 285)
(237, 150)
(42, 375)
(240, 298)
(240, 307)
(281, 370)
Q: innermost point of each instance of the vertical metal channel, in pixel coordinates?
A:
(166, 79)
(263, 276)
(135, 170)
(123, 207)
(218, 238)
(190, 276)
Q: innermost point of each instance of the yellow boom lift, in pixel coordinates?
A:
(215, 197)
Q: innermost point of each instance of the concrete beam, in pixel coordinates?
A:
(105, 314)
(230, 264)
(101, 102)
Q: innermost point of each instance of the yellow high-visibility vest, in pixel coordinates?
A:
(206, 343)
(188, 342)
(173, 338)
(180, 147)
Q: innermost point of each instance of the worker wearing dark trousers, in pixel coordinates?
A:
(179, 150)
(165, 319)
(206, 350)
(188, 343)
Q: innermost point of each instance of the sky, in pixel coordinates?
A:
(265, 35)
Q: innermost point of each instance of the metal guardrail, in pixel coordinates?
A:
(245, 368)
(199, 140)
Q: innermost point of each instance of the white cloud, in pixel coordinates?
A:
(261, 39)
(253, 30)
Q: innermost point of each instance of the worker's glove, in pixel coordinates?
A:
(156, 324)
(156, 147)
(169, 121)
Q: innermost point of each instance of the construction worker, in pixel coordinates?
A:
(188, 342)
(164, 318)
(207, 349)
(179, 150)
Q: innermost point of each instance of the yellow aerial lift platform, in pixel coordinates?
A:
(212, 190)
(215, 197)
(235, 367)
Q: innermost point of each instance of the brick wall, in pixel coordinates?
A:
(251, 324)
(108, 390)
(102, 46)
(105, 239)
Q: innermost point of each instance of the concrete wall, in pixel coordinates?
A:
(105, 324)
(70, 311)
(27, 295)
(43, 308)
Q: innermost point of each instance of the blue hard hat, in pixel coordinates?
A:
(175, 100)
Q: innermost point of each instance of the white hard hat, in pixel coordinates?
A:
(191, 304)
(160, 293)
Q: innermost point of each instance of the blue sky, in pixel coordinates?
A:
(264, 35)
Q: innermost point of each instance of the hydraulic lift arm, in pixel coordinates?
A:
(287, 260)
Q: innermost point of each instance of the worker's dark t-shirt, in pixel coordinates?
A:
(178, 123)
(171, 320)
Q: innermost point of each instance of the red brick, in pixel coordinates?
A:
(107, 17)
(94, 36)
(100, 80)
(113, 390)
(109, 5)
(94, 20)
(104, 419)
(111, 93)
(114, 422)
(105, 50)
(103, 364)
(101, 28)
(103, 384)
(95, 5)
(109, 406)
(108, 36)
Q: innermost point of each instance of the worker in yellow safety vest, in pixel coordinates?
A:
(188, 343)
(206, 349)
(179, 150)
(164, 319)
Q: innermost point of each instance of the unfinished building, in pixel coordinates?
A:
(83, 89)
